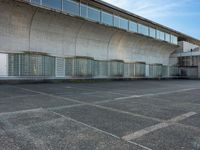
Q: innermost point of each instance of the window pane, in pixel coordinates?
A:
(167, 37)
(116, 21)
(71, 7)
(152, 32)
(94, 14)
(35, 1)
(56, 4)
(123, 23)
(107, 18)
(132, 26)
(143, 29)
(174, 39)
(162, 35)
(83, 10)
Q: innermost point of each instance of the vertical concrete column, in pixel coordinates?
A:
(3, 65)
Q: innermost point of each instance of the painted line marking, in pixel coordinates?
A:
(150, 129)
(19, 96)
(96, 90)
(99, 130)
(62, 107)
(154, 94)
(21, 111)
(98, 106)
(182, 117)
(144, 131)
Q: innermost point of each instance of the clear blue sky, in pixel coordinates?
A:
(181, 15)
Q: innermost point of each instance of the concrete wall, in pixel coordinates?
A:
(3, 64)
(27, 28)
(186, 47)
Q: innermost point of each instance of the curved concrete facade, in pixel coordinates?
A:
(27, 28)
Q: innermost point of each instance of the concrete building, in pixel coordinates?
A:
(63, 39)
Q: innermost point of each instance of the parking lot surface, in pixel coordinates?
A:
(111, 115)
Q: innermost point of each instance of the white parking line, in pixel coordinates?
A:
(154, 94)
(150, 129)
(62, 107)
(99, 130)
(19, 96)
(21, 111)
(98, 106)
(96, 90)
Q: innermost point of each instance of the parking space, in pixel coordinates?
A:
(101, 115)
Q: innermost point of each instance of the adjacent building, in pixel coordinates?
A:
(64, 39)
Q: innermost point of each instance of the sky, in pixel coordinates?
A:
(181, 15)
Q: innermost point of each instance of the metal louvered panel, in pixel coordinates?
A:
(69, 63)
(103, 68)
(155, 70)
(174, 71)
(49, 66)
(95, 68)
(60, 67)
(13, 65)
(165, 71)
(31, 65)
(126, 70)
(116, 68)
(131, 69)
(83, 67)
(140, 69)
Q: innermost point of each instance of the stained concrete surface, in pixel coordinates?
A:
(88, 116)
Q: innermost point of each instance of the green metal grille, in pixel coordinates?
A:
(140, 69)
(31, 65)
(116, 68)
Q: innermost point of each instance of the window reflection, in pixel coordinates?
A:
(132, 26)
(167, 37)
(123, 23)
(152, 32)
(56, 4)
(174, 39)
(116, 21)
(107, 18)
(143, 29)
(83, 10)
(74, 7)
(160, 35)
(71, 7)
(35, 1)
(94, 14)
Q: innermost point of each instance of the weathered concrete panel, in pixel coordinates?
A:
(27, 28)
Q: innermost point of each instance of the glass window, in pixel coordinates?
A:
(35, 1)
(83, 10)
(174, 39)
(160, 35)
(107, 18)
(94, 14)
(143, 29)
(116, 21)
(167, 37)
(132, 26)
(56, 4)
(123, 23)
(71, 7)
(152, 32)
